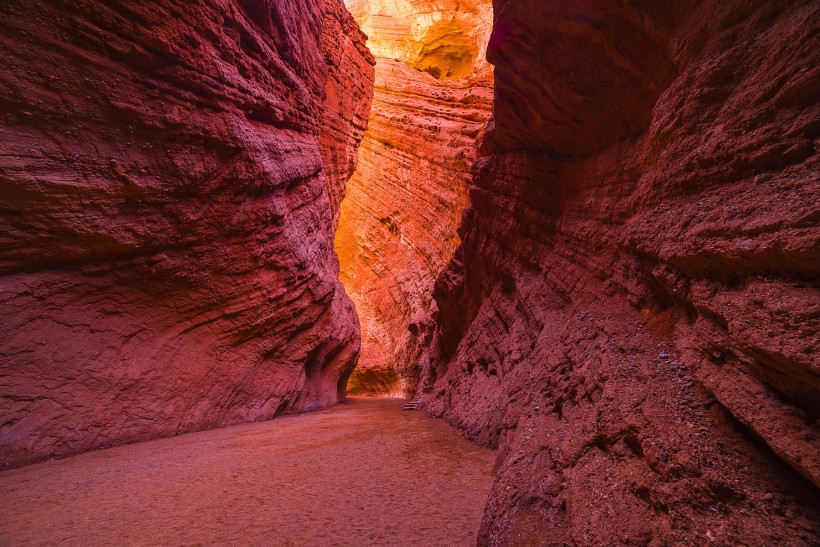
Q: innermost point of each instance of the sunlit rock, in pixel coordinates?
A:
(446, 38)
(399, 219)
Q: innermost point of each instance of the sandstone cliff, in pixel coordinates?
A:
(632, 315)
(431, 102)
(169, 178)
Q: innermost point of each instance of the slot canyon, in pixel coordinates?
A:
(582, 237)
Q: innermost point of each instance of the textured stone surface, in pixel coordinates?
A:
(632, 315)
(349, 94)
(404, 203)
(168, 178)
(446, 38)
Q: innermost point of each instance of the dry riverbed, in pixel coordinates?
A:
(361, 473)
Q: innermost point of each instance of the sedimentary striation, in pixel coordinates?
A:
(631, 316)
(170, 177)
(432, 99)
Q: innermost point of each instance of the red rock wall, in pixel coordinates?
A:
(349, 96)
(632, 315)
(168, 178)
(404, 203)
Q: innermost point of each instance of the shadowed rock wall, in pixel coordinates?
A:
(169, 178)
(632, 317)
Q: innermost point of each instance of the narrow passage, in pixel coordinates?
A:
(360, 473)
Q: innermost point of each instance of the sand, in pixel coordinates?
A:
(360, 473)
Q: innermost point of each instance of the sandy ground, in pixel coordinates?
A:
(361, 473)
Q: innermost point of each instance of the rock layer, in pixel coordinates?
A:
(168, 183)
(631, 316)
(404, 203)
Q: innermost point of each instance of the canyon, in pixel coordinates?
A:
(583, 233)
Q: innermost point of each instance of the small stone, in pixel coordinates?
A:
(664, 355)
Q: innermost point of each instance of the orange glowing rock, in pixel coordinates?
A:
(446, 38)
(432, 99)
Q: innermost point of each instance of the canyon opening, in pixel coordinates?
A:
(505, 272)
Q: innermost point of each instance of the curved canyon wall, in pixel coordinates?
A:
(398, 228)
(632, 315)
(169, 177)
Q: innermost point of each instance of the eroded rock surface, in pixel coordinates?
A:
(446, 38)
(632, 317)
(432, 98)
(169, 178)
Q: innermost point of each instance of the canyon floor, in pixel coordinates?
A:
(360, 473)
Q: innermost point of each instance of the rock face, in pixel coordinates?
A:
(632, 315)
(445, 38)
(432, 99)
(169, 178)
